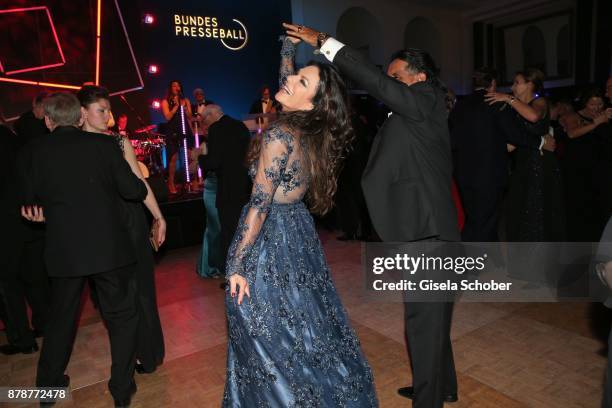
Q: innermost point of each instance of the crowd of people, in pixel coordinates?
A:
(554, 185)
(541, 168)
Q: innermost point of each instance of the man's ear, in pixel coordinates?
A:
(421, 77)
(48, 123)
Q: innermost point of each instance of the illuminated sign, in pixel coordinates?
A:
(234, 38)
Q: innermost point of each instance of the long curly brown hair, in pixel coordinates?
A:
(325, 133)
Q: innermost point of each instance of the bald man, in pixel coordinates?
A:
(228, 142)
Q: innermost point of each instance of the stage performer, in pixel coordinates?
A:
(176, 130)
(407, 186)
(95, 107)
(290, 342)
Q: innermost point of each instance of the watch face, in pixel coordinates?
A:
(321, 38)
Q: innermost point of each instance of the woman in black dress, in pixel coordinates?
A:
(177, 127)
(95, 107)
(582, 179)
(534, 205)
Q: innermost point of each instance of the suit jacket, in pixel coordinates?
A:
(479, 133)
(81, 180)
(228, 143)
(257, 108)
(194, 106)
(14, 229)
(28, 127)
(407, 181)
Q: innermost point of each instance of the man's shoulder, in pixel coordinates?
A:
(83, 139)
(230, 122)
(25, 116)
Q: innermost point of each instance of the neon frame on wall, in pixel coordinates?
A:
(98, 47)
(57, 42)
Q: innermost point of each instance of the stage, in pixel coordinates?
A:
(186, 220)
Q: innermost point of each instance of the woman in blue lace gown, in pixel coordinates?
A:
(290, 343)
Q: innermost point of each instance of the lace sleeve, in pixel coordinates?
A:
(275, 150)
(287, 64)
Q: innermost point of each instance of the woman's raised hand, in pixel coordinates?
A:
(300, 32)
(494, 97)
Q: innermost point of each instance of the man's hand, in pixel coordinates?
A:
(600, 119)
(33, 213)
(300, 32)
(549, 143)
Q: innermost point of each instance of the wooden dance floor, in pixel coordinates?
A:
(507, 355)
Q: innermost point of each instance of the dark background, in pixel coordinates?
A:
(230, 78)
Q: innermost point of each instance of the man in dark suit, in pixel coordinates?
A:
(31, 124)
(228, 142)
(197, 109)
(80, 180)
(479, 134)
(29, 275)
(265, 104)
(407, 186)
(22, 273)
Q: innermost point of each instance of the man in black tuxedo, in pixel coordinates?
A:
(29, 277)
(228, 142)
(22, 272)
(80, 180)
(31, 124)
(197, 109)
(265, 104)
(479, 134)
(407, 186)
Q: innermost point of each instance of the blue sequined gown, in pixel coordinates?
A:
(290, 343)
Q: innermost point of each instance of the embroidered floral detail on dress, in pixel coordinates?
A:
(287, 65)
(290, 343)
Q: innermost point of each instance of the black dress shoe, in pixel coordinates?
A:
(408, 392)
(125, 403)
(140, 369)
(10, 349)
(51, 402)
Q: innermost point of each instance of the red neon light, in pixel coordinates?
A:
(149, 19)
(98, 35)
(156, 104)
(39, 83)
(98, 29)
(59, 47)
(153, 69)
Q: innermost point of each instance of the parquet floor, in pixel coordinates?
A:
(507, 355)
